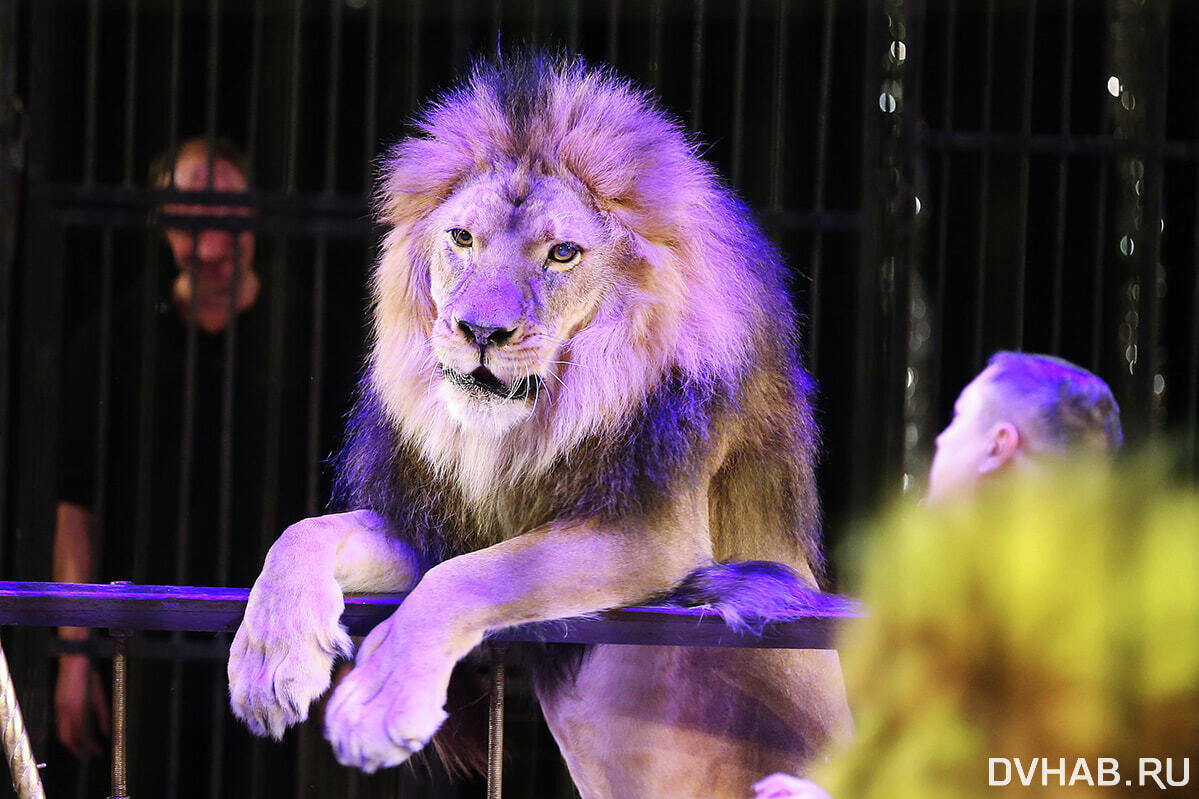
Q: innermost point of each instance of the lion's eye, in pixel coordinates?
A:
(564, 253)
(462, 237)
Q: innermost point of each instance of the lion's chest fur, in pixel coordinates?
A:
(487, 492)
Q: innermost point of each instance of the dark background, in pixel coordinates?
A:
(945, 178)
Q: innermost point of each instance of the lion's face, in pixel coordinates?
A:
(519, 265)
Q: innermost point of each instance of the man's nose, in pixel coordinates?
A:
(214, 245)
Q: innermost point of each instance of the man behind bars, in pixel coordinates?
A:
(182, 454)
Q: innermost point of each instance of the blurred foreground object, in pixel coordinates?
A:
(1052, 617)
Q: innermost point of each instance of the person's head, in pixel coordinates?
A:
(211, 261)
(1020, 408)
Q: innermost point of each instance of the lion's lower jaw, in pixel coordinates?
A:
(482, 414)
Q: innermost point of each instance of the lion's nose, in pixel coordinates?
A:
(483, 336)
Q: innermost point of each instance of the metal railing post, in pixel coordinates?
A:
(495, 724)
(119, 672)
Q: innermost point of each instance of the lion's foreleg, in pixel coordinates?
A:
(391, 704)
(282, 656)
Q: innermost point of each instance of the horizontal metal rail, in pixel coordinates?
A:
(304, 213)
(959, 141)
(125, 606)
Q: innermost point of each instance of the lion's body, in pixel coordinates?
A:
(646, 414)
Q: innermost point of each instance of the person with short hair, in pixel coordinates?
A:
(168, 469)
(1021, 409)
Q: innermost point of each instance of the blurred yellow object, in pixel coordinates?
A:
(1047, 617)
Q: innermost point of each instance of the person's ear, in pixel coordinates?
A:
(1003, 441)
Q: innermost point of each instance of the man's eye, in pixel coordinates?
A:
(564, 253)
(461, 237)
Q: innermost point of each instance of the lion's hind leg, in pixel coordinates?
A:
(647, 722)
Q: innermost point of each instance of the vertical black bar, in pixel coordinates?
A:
(863, 450)
(92, 78)
(213, 80)
(1063, 167)
(742, 34)
(332, 96)
(655, 50)
(145, 404)
(100, 464)
(984, 190)
(183, 517)
(1157, 30)
(275, 346)
(907, 249)
(414, 37)
(1030, 39)
(255, 83)
(315, 385)
(1192, 440)
(1100, 255)
(534, 7)
(40, 283)
(820, 171)
(315, 376)
(613, 30)
(697, 65)
(371, 89)
(146, 398)
(777, 109)
(174, 92)
(937, 359)
(572, 26)
(12, 144)
(216, 755)
(274, 397)
(497, 25)
(459, 37)
(130, 91)
(224, 524)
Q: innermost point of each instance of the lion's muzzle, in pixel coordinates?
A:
(483, 382)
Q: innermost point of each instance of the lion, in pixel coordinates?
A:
(583, 392)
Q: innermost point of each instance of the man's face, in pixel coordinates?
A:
(964, 446)
(213, 251)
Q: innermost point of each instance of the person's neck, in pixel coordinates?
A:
(213, 317)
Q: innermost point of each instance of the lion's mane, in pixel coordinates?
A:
(690, 360)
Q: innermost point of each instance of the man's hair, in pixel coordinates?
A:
(162, 168)
(1061, 406)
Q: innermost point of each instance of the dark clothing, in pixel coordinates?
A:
(205, 461)
(157, 527)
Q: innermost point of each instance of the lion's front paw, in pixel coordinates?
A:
(389, 706)
(282, 656)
